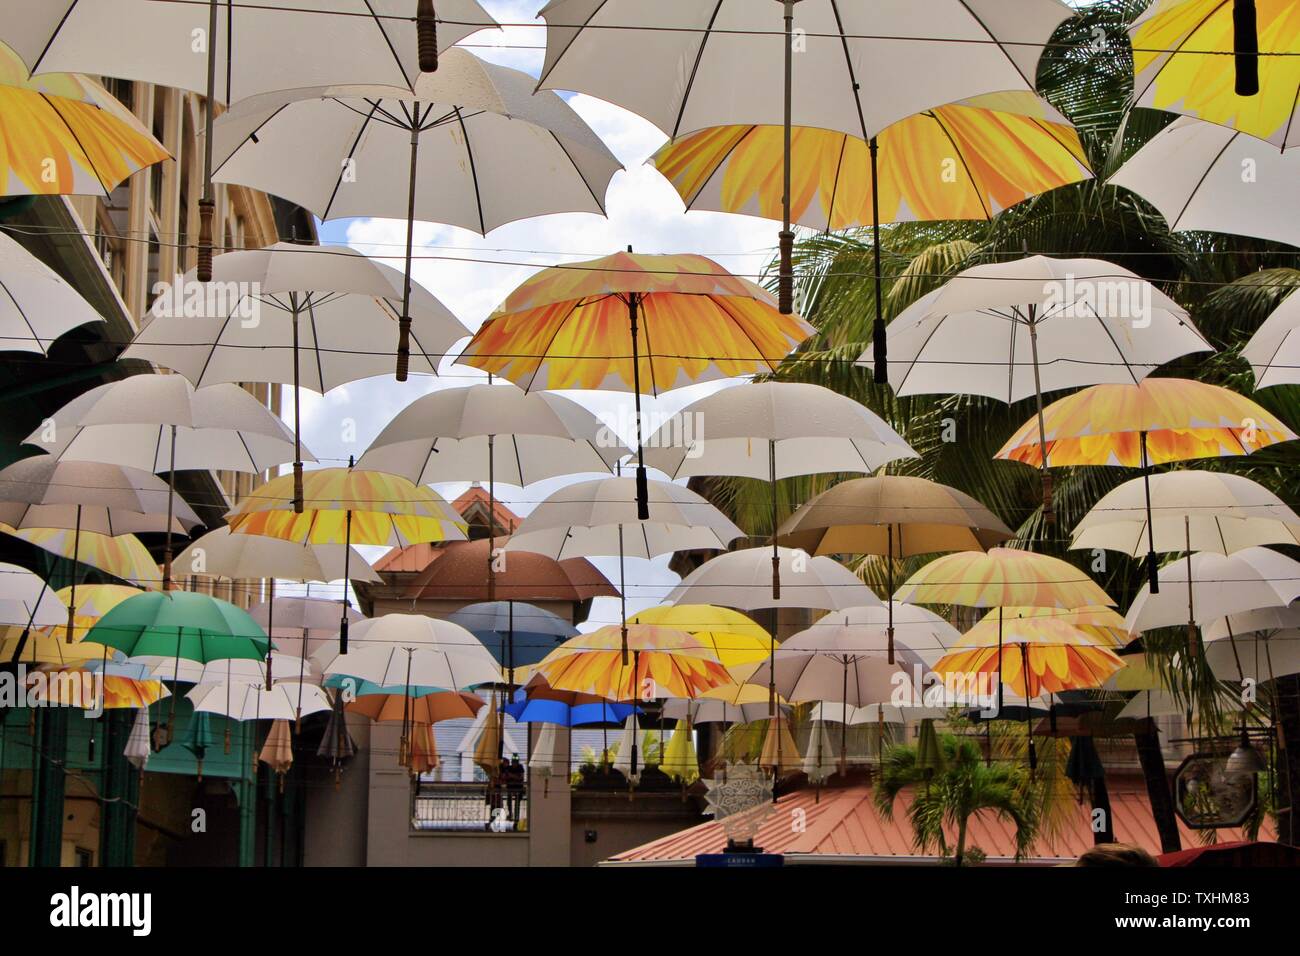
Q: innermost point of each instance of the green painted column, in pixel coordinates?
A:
(246, 793)
(48, 786)
(268, 840)
(120, 792)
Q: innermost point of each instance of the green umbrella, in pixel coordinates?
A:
(929, 755)
(180, 624)
(200, 737)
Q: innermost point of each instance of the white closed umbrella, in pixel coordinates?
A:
(37, 305)
(774, 430)
(1206, 586)
(855, 68)
(487, 149)
(1016, 329)
(308, 316)
(1206, 177)
(625, 760)
(818, 759)
(1190, 511)
(138, 745)
(1274, 350)
(550, 756)
(229, 51)
(161, 423)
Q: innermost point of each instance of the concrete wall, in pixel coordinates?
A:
(336, 814)
(620, 822)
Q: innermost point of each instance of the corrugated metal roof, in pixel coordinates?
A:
(846, 823)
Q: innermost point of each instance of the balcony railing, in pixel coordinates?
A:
(468, 807)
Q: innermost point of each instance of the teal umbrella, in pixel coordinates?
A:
(180, 624)
(200, 737)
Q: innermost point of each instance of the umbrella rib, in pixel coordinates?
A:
(519, 463)
(216, 344)
(343, 167)
(473, 170)
(26, 321)
(541, 357)
(848, 63)
(1118, 351)
(315, 347)
(249, 138)
(1201, 182)
(54, 35)
(695, 67)
(1029, 81)
(576, 33)
(988, 213)
(835, 187)
(1295, 103)
(721, 303)
(600, 204)
(77, 139)
(379, 25)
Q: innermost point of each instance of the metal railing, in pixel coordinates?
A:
(468, 807)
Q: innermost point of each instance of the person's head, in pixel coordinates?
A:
(1116, 854)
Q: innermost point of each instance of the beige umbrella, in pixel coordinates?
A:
(894, 517)
(277, 751)
(779, 753)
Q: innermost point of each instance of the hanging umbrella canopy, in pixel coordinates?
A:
(490, 150)
(1245, 580)
(663, 662)
(131, 499)
(685, 67)
(568, 326)
(925, 634)
(1193, 173)
(346, 506)
(837, 713)
(337, 305)
(425, 709)
(1037, 625)
(70, 126)
(599, 517)
(122, 556)
(1274, 350)
(259, 45)
(743, 579)
(492, 432)
(1059, 658)
(277, 750)
(730, 703)
(48, 646)
(1191, 510)
(1002, 577)
(1182, 419)
(26, 601)
(517, 634)
(244, 701)
(223, 554)
(399, 631)
(774, 429)
(230, 670)
(115, 687)
(301, 625)
(848, 666)
(779, 752)
(130, 422)
(93, 601)
(1180, 64)
(180, 624)
(37, 305)
(539, 702)
(733, 637)
(892, 514)
(1261, 657)
(1011, 330)
(1257, 621)
(678, 759)
(1003, 149)
(415, 666)
(457, 573)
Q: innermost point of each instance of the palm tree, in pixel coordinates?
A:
(1229, 283)
(949, 796)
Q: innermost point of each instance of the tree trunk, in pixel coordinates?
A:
(961, 842)
(1287, 690)
(1162, 801)
(1101, 801)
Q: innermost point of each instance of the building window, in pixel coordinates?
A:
(84, 857)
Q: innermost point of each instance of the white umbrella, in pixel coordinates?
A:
(742, 580)
(1258, 657)
(235, 50)
(138, 745)
(492, 432)
(550, 756)
(37, 305)
(424, 666)
(1206, 586)
(1191, 511)
(924, 633)
(599, 517)
(818, 759)
(1274, 350)
(1196, 174)
(1015, 329)
(242, 700)
(161, 423)
(773, 430)
(1259, 620)
(27, 601)
(273, 305)
(221, 554)
(625, 760)
(231, 670)
(708, 710)
(492, 151)
(687, 66)
(405, 631)
(301, 625)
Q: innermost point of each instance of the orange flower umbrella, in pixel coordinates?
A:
(1049, 654)
(580, 326)
(1156, 421)
(114, 686)
(1002, 577)
(348, 506)
(123, 556)
(665, 662)
(65, 135)
(93, 602)
(1102, 625)
(1003, 148)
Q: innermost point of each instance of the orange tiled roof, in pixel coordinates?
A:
(846, 823)
(416, 557)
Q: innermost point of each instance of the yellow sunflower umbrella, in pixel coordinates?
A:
(122, 556)
(348, 506)
(581, 326)
(63, 135)
(1104, 626)
(1002, 577)
(1156, 421)
(965, 160)
(731, 636)
(93, 602)
(1049, 654)
(46, 646)
(665, 662)
(1181, 63)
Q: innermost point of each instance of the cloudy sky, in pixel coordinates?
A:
(643, 211)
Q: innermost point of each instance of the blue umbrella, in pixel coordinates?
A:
(516, 633)
(566, 709)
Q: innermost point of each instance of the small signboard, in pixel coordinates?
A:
(740, 860)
